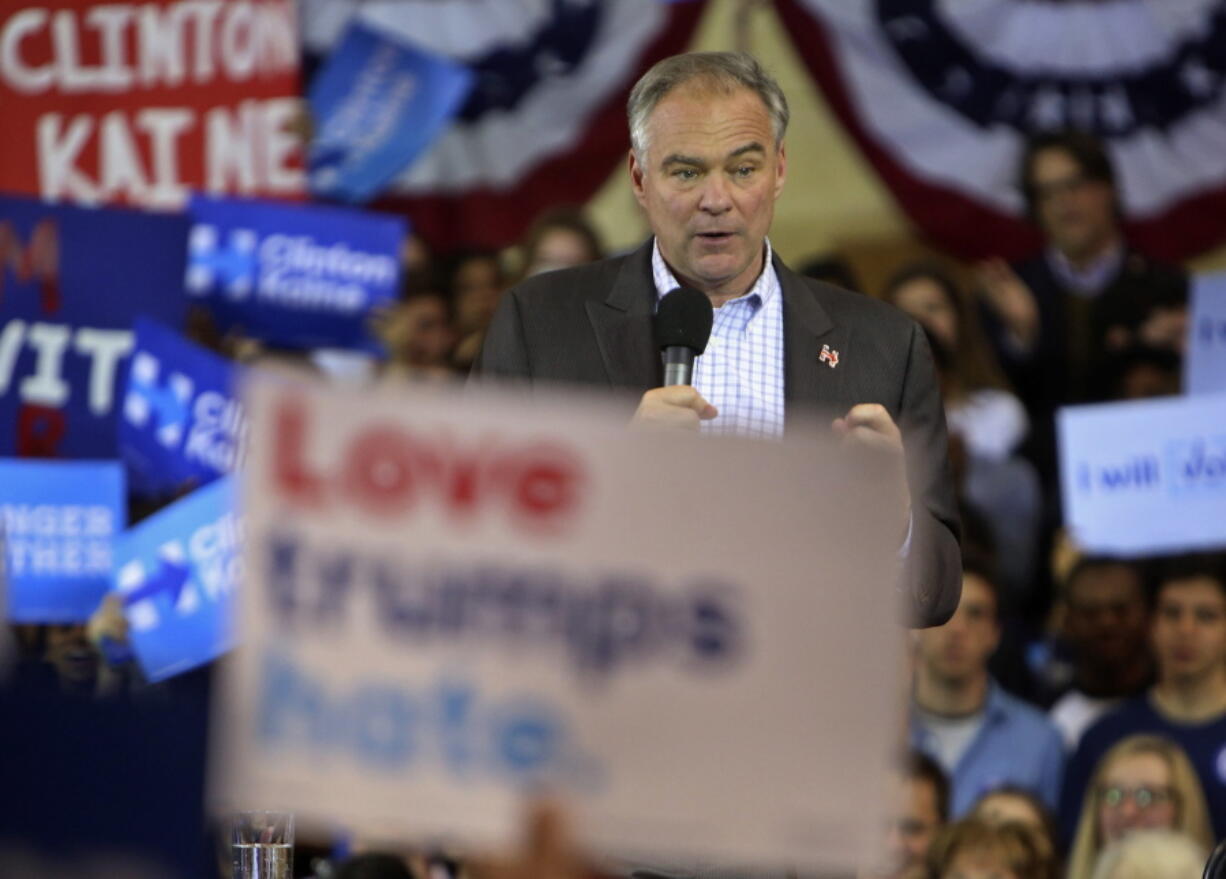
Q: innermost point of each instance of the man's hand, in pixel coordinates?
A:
(678, 407)
(1012, 301)
(869, 425)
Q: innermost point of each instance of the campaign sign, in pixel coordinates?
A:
(378, 103)
(1205, 363)
(71, 282)
(452, 600)
(58, 521)
(182, 423)
(139, 103)
(1145, 478)
(293, 275)
(177, 572)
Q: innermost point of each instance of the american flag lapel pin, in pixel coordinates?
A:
(829, 355)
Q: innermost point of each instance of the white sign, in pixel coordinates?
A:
(454, 600)
(1205, 365)
(1147, 477)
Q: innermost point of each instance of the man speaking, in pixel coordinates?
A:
(707, 162)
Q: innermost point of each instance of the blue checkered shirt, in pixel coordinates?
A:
(741, 372)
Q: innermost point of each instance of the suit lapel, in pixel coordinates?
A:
(623, 325)
(807, 326)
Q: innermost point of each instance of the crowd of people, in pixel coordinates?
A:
(1070, 719)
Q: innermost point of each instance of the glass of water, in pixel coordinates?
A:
(262, 845)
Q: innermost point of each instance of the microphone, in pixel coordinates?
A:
(682, 328)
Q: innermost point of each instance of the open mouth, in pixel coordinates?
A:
(716, 237)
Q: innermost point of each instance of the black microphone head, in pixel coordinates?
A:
(684, 318)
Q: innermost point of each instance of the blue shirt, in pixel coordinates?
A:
(741, 372)
(1205, 744)
(1016, 745)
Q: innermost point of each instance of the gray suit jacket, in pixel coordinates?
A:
(592, 325)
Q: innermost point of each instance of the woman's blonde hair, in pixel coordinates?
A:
(1191, 814)
(1152, 854)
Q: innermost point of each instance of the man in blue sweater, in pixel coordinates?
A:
(980, 735)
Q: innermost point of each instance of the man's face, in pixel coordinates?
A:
(1076, 214)
(915, 827)
(708, 181)
(1189, 629)
(1106, 616)
(960, 649)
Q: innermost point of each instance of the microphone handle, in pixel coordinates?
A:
(678, 365)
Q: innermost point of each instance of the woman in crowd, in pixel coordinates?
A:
(976, 849)
(559, 239)
(475, 283)
(1144, 782)
(986, 420)
(1016, 805)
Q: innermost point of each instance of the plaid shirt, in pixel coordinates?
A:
(741, 372)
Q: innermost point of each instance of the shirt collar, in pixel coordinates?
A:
(760, 293)
(995, 708)
(1090, 280)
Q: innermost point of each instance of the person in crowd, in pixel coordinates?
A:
(832, 268)
(707, 163)
(1144, 782)
(1054, 317)
(419, 336)
(981, 736)
(417, 263)
(923, 803)
(1011, 804)
(76, 661)
(559, 239)
(976, 849)
(1187, 704)
(75, 658)
(986, 421)
(1105, 624)
(1152, 854)
(475, 282)
(1140, 373)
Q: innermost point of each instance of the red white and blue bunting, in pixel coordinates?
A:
(940, 94)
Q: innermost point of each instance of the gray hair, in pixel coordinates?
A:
(724, 70)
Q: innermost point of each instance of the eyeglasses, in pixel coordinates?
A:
(1142, 797)
(1045, 191)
